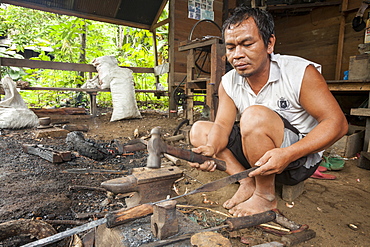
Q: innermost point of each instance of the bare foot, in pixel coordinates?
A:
(244, 192)
(254, 205)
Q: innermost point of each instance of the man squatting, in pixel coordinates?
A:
(288, 116)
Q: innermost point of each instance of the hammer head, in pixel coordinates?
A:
(155, 148)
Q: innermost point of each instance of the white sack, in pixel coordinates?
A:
(120, 82)
(91, 83)
(105, 66)
(14, 113)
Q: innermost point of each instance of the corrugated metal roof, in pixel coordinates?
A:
(134, 13)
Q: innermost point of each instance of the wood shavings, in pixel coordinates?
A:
(204, 208)
(207, 201)
(174, 188)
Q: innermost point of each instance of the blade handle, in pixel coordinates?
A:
(122, 216)
(250, 220)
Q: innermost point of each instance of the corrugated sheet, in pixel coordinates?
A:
(62, 4)
(106, 8)
(137, 13)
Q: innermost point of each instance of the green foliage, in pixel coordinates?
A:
(62, 35)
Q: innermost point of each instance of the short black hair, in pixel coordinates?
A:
(262, 18)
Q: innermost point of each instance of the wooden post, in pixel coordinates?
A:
(171, 55)
(342, 27)
(0, 77)
(154, 32)
(93, 107)
(217, 71)
(188, 90)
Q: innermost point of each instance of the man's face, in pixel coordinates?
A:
(245, 49)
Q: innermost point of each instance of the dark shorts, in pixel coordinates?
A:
(293, 174)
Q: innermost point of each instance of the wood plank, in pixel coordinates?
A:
(88, 90)
(342, 27)
(164, 2)
(184, 45)
(318, 32)
(305, 5)
(349, 87)
(363, 112)
(35, 64)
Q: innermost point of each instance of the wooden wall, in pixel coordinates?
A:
(316, 35)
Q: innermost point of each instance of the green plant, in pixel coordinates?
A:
(66, 36)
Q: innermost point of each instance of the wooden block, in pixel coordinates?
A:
(52, 132)
(49, 154)
(359, 67)
(298, 237)
(350, 144)
(291, 192)
(363, 112)
(364, 161)
(186, 132)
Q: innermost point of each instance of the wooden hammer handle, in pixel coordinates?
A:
(126, 215)
(194, 157)
(250, 220)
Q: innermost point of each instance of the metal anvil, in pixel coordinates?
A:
(148, 184)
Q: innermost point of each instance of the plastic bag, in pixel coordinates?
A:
(14, 113)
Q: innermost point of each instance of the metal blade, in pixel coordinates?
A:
(215, 185)
(220, 183)
(59, 236)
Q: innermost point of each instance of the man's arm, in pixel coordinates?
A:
(318, 101)
(219, 134)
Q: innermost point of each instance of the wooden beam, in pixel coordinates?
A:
(184, 46)
(76, 13)
(303, 5)
(88, 90)
(343, 87)
(171, 57)
(363, 112)
(161, 23)
(342, 27)
(60, 65)
(164, 2)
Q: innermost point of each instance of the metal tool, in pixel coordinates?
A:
(298, 235)
(156, 146)
(122, 216)
(147, 185)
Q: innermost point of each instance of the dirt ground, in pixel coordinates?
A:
(34, 188)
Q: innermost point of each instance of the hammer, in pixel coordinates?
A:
(156, 146)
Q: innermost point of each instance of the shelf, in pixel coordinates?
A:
(348, 85)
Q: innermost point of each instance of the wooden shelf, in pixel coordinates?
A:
(348, 85)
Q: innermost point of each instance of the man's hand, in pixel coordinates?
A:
(273, 161)
(209, 165)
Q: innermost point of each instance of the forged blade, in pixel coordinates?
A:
(215, 185)
(59, 236)
(220, 183)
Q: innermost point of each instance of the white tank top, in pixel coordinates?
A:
(280, 94)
